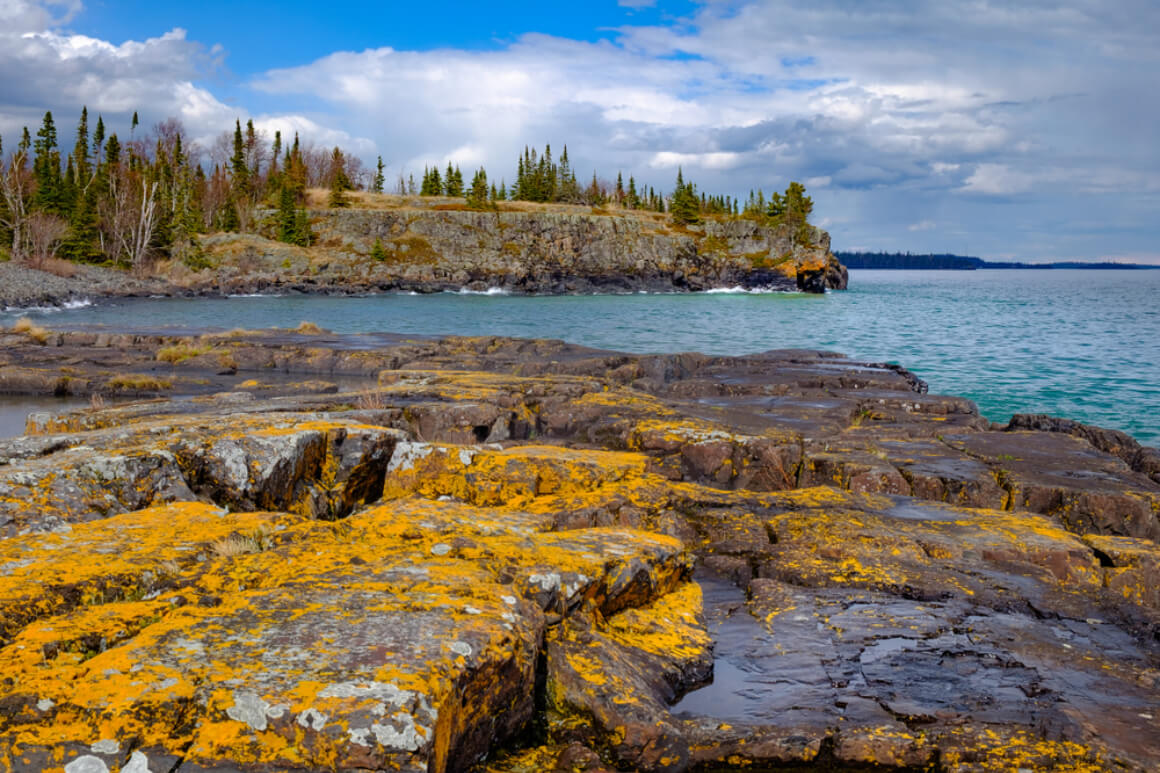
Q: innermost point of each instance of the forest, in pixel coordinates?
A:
(148, 194)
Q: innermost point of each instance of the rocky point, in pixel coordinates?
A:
(293, 550)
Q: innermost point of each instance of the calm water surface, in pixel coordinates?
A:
(1081, 344)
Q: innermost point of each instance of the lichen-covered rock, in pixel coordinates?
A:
(406, 637)
(296, 462)
(482, 558)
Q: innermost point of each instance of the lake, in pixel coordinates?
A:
(1080, 344)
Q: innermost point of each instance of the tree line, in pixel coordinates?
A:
(131, 198)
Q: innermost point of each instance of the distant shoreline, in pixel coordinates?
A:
(948, 262)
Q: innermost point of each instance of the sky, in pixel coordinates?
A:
(1024, 130)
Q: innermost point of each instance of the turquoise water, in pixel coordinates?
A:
(1080, 344)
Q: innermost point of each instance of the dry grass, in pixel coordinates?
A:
(180, 352)
(58, 267)
(371, 400)
(235, 545)
(169, 568)
(242, 544)
(309, 329)
(96, 402)
(137, 382)
(316, 198)
(32, 330)
(237, 332)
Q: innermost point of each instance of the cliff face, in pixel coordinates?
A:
(537, 252)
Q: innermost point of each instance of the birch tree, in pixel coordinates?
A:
(16, 185)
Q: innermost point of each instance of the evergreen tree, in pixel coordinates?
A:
(241, 181)
(49, 196)
(477, 194)
(453, 182)
(378, 253)
(377, 185)
(98, 141)
(287, 216)
(275, 152)
(684, 206)
(339, 183)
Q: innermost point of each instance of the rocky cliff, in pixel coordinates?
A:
(514, 556)
(573, 251)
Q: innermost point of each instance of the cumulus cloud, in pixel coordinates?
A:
(47, 67)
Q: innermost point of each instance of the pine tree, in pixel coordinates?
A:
(619, 189)
(378, 253)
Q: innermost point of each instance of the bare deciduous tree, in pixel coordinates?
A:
(44, 234)
(129, 216)
(16, 183)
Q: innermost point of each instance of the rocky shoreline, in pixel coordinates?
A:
(429, 251)
(513, 555)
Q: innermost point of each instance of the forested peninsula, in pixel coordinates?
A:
(946, 261)
(253, 213)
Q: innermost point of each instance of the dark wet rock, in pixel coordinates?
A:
(1140, 458)
(1087, 489)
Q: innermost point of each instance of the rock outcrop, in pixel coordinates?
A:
(577, 251)
(513, 555)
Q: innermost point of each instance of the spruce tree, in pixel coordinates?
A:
(477, 194)
(684, 206)
(377, 185)
(378, 253)
(287, 216)
(238, 162)
(98, 141)
(49, 196)
(339, 182)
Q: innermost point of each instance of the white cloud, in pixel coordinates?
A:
(998, 180)
(668, 160)
(922, 225)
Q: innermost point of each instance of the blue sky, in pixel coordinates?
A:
(1020, 130)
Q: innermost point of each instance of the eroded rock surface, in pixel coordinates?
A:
(484, 558)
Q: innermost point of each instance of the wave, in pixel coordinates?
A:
(256, 295)
(69, 305)
(739, 290)
(488, 291)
